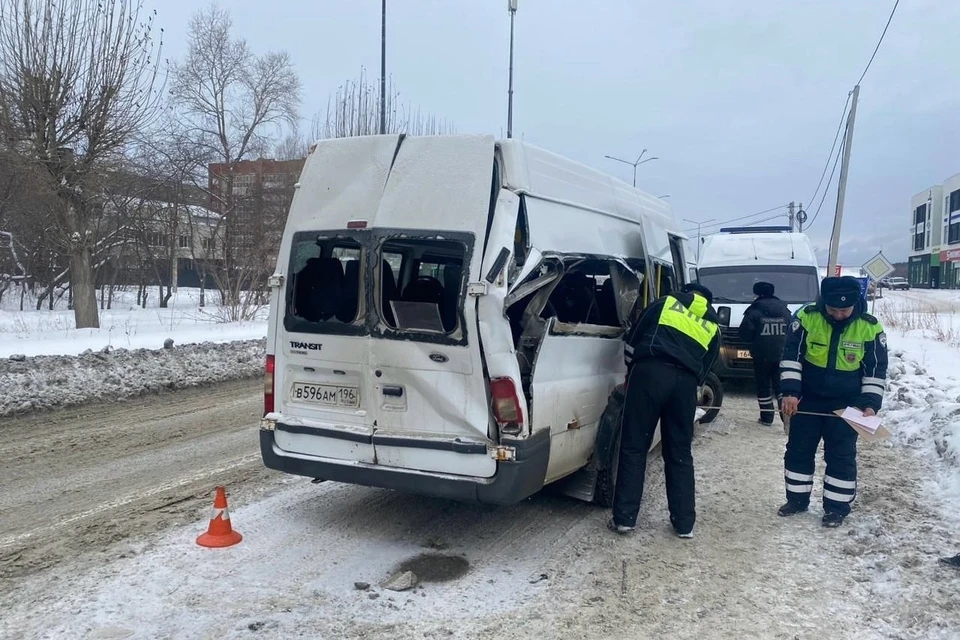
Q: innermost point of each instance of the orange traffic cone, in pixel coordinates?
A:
(220, 533)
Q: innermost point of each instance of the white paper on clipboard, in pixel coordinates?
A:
(868, 423)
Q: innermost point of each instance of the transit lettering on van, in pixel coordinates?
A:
(471, 327)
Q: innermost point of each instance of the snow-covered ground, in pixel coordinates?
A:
(125, 326)
(922, 406)
(314, 557)
(46, 363)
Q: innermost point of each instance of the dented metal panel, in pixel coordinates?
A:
(573, 377)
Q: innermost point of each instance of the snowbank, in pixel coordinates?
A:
(922, 405)
(47, 382)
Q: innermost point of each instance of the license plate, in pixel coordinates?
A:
(744, 355)
(327, 394)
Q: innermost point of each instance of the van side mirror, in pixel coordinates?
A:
(723, 315)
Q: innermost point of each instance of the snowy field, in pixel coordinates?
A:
(125, 326)
(45, 363)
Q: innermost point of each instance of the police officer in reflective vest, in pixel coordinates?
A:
(764, 328)
(835, 356)
(669, 351)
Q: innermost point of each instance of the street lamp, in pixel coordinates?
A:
(634, 164)
(699, 224)
(664, 197)
(513, 12)
(383, 67)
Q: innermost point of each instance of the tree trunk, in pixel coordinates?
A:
(83, 292)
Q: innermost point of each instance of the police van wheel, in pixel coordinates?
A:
(607, 473)
(712, 396)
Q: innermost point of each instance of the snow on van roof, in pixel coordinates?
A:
(722, 249)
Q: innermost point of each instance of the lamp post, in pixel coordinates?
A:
(699, 224)
(383, 67)
(634, 164)
(513, 12)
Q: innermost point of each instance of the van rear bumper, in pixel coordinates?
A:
(513, 481)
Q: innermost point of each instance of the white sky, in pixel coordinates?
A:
(740, 99)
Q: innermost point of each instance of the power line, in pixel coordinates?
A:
(879, 42)
(826, 189)
(836, 138)
(752, 215)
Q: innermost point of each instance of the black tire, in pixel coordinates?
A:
(712, 397)
(608, 449)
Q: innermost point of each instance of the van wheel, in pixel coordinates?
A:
(711, 395)
(608, 449)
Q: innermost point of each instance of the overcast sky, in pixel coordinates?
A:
(739, 99)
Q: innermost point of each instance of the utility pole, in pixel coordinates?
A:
(383, 68)
(801, 217)
(842, 189)
(699, 224)
(513, 13)
(792, 214)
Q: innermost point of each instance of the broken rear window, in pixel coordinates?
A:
(421, 284)
(326, 281)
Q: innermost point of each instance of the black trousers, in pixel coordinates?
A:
(767, 376)
(839, 452)
(657, 391)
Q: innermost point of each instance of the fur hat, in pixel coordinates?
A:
(840, 293)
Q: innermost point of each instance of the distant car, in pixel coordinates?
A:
(896, 283)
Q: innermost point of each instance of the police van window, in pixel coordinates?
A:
(424, 298)
(326, 280)
(793, 285)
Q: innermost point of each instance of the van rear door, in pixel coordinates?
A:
(400, 383)
(430, 395)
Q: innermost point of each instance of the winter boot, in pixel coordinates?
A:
(619, 528)
(831, 520)
(790, 509)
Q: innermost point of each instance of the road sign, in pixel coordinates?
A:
(878, 267)
(837, 270)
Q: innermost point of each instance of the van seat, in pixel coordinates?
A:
(388, 292)
(424, 289)
(350, 300)
(451, 283)
(318, 289)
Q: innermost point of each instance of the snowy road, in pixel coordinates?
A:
(80, 479)
(545, 568)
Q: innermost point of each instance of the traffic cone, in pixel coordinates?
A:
(220, 533)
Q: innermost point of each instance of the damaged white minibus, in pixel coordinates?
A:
(446, 317)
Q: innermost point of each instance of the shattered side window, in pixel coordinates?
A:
(427, 297)
(326, 281)
(585, 295)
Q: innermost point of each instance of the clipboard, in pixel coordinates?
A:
(877, 436)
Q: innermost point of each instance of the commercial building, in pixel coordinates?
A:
(934, 258)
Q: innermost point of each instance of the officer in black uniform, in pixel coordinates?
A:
(764, 328)
(669, 351)
(835, 357)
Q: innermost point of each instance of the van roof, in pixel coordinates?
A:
(727, 250)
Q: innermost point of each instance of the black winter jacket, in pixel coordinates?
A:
(649, 340)
(764, 327)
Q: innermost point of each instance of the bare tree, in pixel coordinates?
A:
(232, 102)
(355, 111)
(78, 78)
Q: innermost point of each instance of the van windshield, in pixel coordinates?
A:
(793, 285)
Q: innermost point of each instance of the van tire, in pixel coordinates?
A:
(712, 396)
(607, 468)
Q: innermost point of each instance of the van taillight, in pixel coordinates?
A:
(506, 403)
(268, 385)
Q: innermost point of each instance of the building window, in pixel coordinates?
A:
(919, 220)
(953, 235)
(156, 239)
(954, 201)
(184, 242)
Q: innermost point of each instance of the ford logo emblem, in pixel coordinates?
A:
(438, 357)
